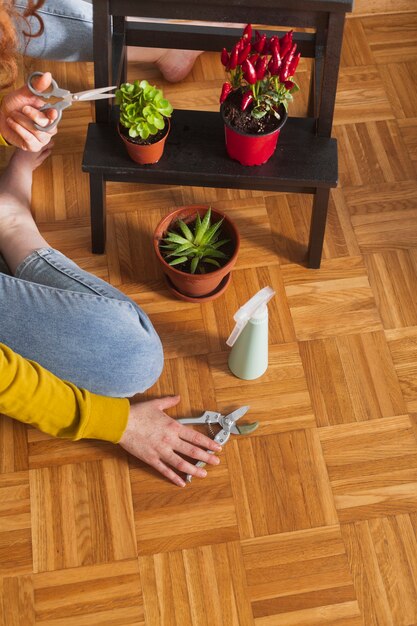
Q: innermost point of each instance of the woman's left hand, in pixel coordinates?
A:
(18, 112)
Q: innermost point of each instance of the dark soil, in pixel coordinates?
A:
(228, 249)
(144, 142)
(243, 121)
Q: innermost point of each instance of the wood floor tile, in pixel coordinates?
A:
(403, 346)
(408, 130)
(382, 556)
(96, 594)
(15, 524)
(279, 399)
(300, 579)
(351, 378)
(81, 515)
(280, 483)
(17, 601)
(169, 518)
(13, 446)
(393, 278)
(394, 40)
(355, 49)
(372, 467)
(361, 96)
(331, 301)
(371, 153)
(204, 586)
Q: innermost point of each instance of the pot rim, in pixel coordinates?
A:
(195, 207)
(145, 145)
(239, 132)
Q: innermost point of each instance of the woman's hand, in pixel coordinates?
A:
(18, 112)
(154, 437)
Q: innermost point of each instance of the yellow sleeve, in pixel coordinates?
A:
(32, 394)
(3, 142)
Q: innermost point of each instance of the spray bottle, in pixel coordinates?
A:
(249, 338)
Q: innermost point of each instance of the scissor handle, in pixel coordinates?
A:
(55, 91)
(55, 122)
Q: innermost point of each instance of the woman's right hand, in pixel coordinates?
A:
(155, 438)
(18, 112)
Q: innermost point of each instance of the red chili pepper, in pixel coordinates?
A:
(246, 100)
(285, 65)
(285, 43)
(249, 73)
(243, 54)
(247, 33)
(274, 64)
(289, 84)
(233, 58)
(260, 41)
(294, 64)
(253, 58)
(226, 89)
(273, 44)
(260, 67)
(224, 57)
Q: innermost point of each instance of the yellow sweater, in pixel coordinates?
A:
(32, 394)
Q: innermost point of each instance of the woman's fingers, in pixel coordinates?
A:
(30, 139)
(195, 452)
(39, 117)
(198, 439)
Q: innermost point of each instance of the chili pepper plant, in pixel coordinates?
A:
(260, 86)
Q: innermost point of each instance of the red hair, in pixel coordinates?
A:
(9, 39)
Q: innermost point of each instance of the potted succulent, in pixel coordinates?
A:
(144, 120)
(254, 101)
(197, 247)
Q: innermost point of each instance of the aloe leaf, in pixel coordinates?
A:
(217, 254)
(194, 264)
(175, 238)
(178, 251)
(197, 222)
(185, 230)
(220, 243)
(207, 238)
(181, 259)
(201, 230)
(211, 261)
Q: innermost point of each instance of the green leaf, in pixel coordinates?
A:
(211, 262)
(258, 113)
(174, 237)
(185, 230)
(194, 264)
(207, 238)
(182, 259)
(217, 254)
(181, 249)
(200, 231)
(218, 244)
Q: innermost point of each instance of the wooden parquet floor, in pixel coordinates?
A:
(312, 520)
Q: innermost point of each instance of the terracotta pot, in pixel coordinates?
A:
(146, 154)
(197, 285)
(251, 149)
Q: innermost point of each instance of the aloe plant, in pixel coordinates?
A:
(195, 246)
(143, 108)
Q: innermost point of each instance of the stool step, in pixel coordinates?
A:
(195, 155)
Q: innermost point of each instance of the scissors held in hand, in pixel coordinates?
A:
(67, 98)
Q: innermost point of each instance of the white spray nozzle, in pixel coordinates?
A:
(248, 310)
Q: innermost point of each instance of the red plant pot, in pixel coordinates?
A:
(251, 149)
(145, 154)
(196, 286)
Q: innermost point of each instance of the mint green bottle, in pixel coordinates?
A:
(248, 358)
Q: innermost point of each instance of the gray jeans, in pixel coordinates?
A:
(78, 326)
(68, 32)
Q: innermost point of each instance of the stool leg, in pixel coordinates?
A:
(98, 213)
(317, 227)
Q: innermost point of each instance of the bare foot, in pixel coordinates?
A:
(174, 65)
(19, 234)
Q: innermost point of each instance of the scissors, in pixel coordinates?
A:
(227, 424)
(67, 98)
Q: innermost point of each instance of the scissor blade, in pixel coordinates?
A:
(237, 414)
(245, 429)
(94, 94)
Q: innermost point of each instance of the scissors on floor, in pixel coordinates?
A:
(67, 98)
(227, 425)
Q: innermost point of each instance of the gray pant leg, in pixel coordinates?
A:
(68, 34)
